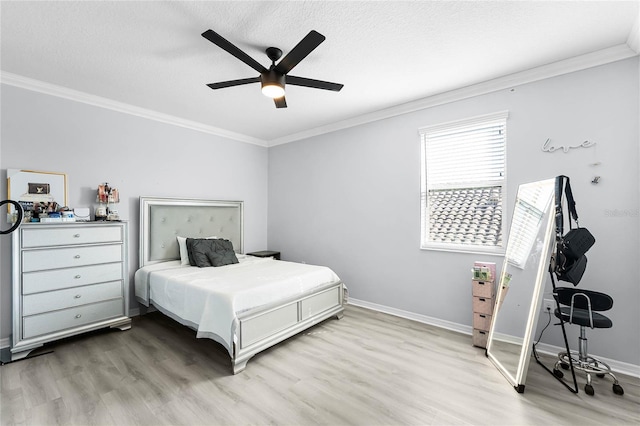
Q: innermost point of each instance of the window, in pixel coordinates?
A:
(463, 184)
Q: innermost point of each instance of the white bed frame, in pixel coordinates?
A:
(162, 219)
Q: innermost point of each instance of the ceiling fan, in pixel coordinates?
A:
(274, 78)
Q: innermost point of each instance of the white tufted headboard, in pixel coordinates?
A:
(163, 219)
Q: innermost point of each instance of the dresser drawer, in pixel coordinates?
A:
(64, 235)
(481, 321)
(50, 322)
(70, 297)
(483, 305)
(480, 338)
(38, 260)
(482, 288)
(56, 279)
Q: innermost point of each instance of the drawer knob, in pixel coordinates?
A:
(77, 256)
(78, 296)
(76, 235)
(77, 277)
(79, 315)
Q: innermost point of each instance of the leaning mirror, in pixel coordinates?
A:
(522, 281)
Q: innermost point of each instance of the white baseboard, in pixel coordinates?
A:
(413, 316)
(617, 366)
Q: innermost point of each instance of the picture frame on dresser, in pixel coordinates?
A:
(30, 186)
(67, 279)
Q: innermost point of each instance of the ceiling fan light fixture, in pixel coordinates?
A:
(273, 90)
(272, 84)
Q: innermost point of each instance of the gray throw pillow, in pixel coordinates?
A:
(204, 252)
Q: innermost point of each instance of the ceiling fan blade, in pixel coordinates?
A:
(224, 44)
(316, 84)
(300, 51)
(280, 102)
(230, 83)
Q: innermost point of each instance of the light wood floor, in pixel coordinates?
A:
(366, 369)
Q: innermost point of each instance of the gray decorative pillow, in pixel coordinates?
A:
(223, 257)
(204, 252)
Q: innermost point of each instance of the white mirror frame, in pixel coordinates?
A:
(518, 380)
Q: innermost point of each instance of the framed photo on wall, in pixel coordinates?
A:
(36, 191)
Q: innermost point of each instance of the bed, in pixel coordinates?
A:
(246, 306)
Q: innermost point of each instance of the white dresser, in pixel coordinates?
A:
(68, 278)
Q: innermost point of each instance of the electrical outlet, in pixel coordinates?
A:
(548, 305)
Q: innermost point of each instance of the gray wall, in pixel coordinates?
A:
(136, 155)
(351, 199)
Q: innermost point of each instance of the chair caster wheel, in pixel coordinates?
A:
(559, 374)
(589, 390)
(617, 389)
(564, 366)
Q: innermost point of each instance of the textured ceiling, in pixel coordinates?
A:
(150, 54)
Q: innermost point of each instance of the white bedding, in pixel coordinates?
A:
(210, 298)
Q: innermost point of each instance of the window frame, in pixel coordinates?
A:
(498, 250)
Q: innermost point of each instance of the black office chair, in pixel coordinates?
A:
(581, 307)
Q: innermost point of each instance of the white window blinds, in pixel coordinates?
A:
(463, 178)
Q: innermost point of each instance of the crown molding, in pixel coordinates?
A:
(78, 96)
(633, 41)
(578, 63)
(601, 57)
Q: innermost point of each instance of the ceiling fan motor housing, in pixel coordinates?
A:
(271, 78)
